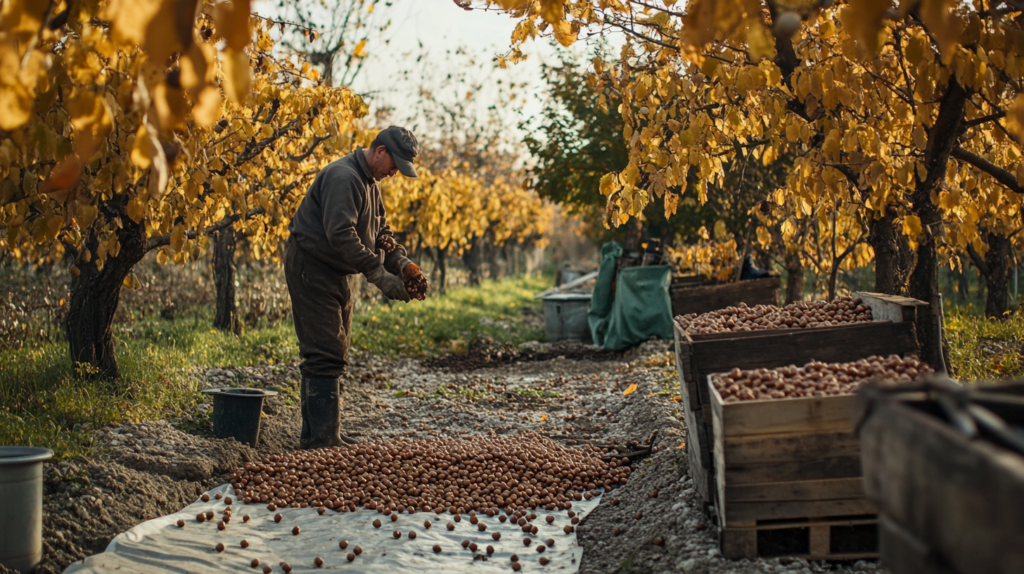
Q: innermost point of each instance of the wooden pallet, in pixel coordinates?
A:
(693, 295)
(698, 356)
(851, 538)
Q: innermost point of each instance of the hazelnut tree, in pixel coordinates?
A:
(132, 127)
(906, 117)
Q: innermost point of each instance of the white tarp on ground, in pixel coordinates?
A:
(158, 545)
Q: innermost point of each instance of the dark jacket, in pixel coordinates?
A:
(342, 217)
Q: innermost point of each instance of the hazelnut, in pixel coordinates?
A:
(245, 518)
(376, 523)
(541, 548)
(278, 517)
(659, 541)
(412, 535)
(351, 556)
(437, 548)
(473, 546)
(181, 523)
(543, 561)
(205, 498)
(343, 544)
(220, 547)
(465, 543)
(526, 541)
(357, 550)
(516, 567)
(451, 526)
(397, 534)
(318, 561)
(244, 544)
(549, 519)
(496, 535)
(426, 524)
(267, 569)
(295, 531)
(481, 527)
(255, 563)
(201, 517)
(568, 529)
(490, 550)
(221, 525)
(514, 558)
(218, 496)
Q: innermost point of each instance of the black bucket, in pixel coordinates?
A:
(237, 413)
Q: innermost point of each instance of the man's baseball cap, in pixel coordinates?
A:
(403, 148)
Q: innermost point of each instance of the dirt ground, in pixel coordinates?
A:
(571, 394)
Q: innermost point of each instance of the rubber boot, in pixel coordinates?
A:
(322, 413)
(303, 402)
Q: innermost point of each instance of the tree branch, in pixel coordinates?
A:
(163, 240)
(999, 174)
(978, 260)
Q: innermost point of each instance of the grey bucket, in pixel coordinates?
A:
(21, 513)
(565, 316)
(237, 413)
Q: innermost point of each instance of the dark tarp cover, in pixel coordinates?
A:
(633, 308)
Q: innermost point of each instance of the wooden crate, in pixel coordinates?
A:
(784, 460)
(691, 294)
(947, 504)
(698, 356)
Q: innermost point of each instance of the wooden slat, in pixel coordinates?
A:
(791, 447)
(800, 346)
(688, 299)
(959, 496)
(778, 416)
(833, 489)
(796, 509)
(784, 471)
(904, 553)
(891, 307)
(820, 541)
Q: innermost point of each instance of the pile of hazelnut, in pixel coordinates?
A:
(815, 379)
(481, 474)
(799, 315)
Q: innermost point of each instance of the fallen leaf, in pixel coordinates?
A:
(630, 389)
(681, 445)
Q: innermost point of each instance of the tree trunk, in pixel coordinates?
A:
(924, 280)
(224, 279)
(473, 260)
(510, 259)
(998, 278)
(794, 279)
(442, 269)
(893, 256)
(94, 297)
(494, 267)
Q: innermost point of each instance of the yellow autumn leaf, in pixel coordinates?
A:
(629, 390)
(237, 78)
(135, 209)
(912, 226)
(360, 51)
(178, 238)
(232, 19)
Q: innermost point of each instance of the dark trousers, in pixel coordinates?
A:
(322, 309)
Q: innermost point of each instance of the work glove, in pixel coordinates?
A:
(415, 282)
(390, 285)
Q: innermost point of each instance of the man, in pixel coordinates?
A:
(340, 229)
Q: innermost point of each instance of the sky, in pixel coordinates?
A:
(442, 26)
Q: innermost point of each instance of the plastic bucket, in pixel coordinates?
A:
(237, 412)
(21, 513)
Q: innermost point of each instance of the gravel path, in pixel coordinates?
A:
(573, 395)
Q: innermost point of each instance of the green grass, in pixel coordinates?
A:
(985, 349)
(44, 403)
(449, 322)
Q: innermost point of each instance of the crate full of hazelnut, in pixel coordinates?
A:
(783, 439)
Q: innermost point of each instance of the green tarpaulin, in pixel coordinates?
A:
(632, 308)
